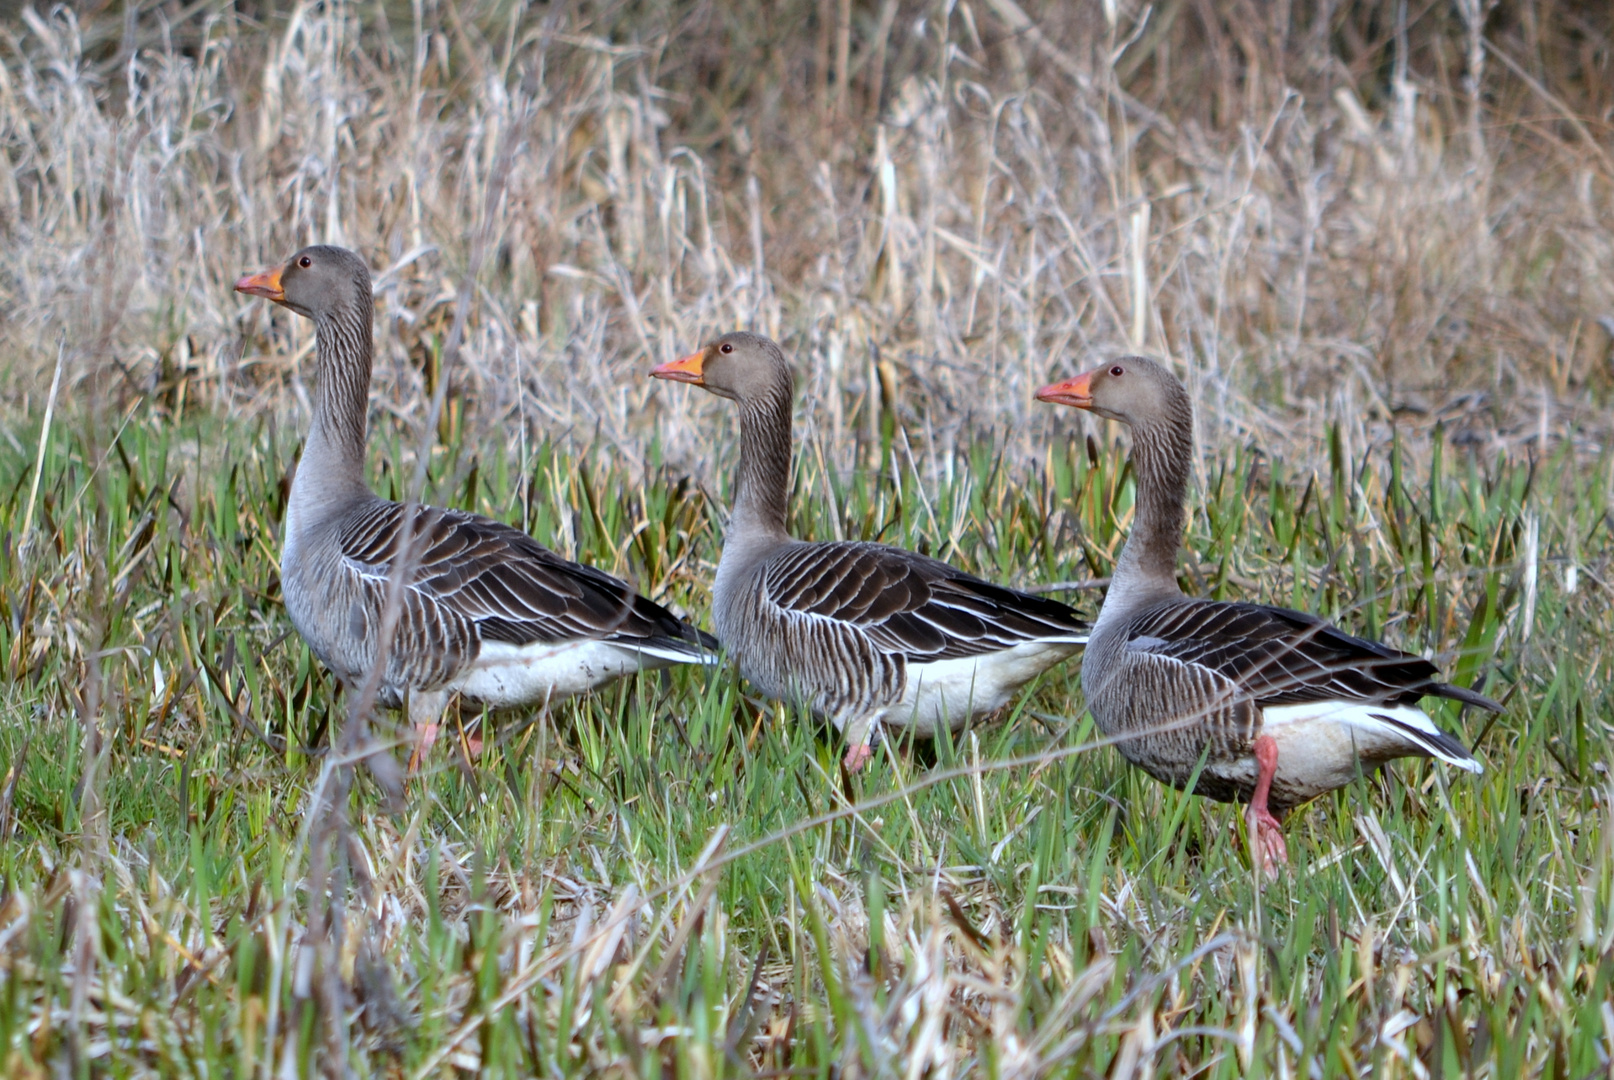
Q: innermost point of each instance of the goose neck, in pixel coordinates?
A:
(763, 490)
(1147, 567)
(332, 465)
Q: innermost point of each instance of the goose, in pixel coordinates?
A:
(1279, 705)
(484, 610)
(863, 634)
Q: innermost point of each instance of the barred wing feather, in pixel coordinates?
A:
(1282, 657)
(909, 605)
(511, 587)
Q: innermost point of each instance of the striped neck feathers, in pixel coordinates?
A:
(333, 459)
(762, 495)
(1162, 452)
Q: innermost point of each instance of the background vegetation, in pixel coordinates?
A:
(1373, 236)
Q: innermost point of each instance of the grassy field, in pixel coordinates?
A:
(671, 875)
(1377, 248)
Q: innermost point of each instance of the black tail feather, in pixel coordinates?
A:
(1467, 697)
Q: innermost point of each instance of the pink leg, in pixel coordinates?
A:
(1266, 832)
(426, 716)
(857, 756)
(425, 735)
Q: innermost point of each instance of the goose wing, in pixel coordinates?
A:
(512, 588)
(1276, 656)
(909, 605)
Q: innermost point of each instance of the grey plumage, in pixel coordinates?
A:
(1204, 685)
(1178, 680)
(484, 608)
(862, 633)
(474, 581)
(840, 625)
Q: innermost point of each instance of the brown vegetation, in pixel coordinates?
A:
(1348, 211)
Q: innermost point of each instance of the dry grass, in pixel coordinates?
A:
(1378, 249)
(1313, 227)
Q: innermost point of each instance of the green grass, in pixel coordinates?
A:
(668, 877)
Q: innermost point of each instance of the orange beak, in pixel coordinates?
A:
(684, 369)
(264, 283)
(1077, 392)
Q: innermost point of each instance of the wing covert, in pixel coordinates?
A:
(513, 588)
(1280, 656)
(908, 604)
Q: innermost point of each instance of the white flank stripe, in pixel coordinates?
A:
(1404, 726)
(515, 674)
(946, 693)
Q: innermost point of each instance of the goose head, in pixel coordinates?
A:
(1135, 390)
(316, 282)
(741, 366)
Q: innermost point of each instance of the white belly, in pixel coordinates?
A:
(948, 693)
(520, 674)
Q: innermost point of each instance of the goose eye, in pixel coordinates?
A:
(725, 348)
(1117, 371)
(305, 262)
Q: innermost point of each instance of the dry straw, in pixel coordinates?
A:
(979, 198)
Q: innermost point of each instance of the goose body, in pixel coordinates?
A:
(484, 610)
(1273, 706)
(869, 635)
(1188, 675)
(865, 635)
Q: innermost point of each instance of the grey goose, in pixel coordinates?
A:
(863, 634)
(486, 611)
(1279, 705)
